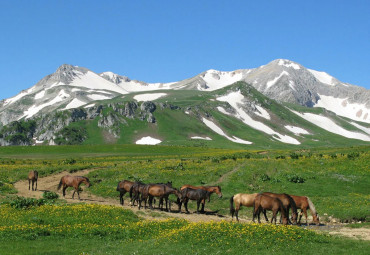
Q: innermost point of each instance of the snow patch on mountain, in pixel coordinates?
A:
(219, 131)
(148, 140)
(297, 130)
(201, 138)
(331, 126)
(288, 63)
(365, 129)
(262, 112)
(323, 77)
(342, 107)
(36, 108)
(75, 103)
(235, 99)
(272, 82)
(91, 80)
(40, 95)
(149, 97)
(19, 96)
(97, 97)
(218, 79)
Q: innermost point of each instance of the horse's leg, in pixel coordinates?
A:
(121, 197)
(264, 213)
(305, 214)
(186, 205)
(274, 216)
(36, 184)
(237, 208)
(300, 216)
(64, 190)
(198, 204)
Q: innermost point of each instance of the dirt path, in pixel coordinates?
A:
(50, 183)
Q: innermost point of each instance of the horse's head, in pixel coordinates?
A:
(285, 221)
(316, 219)
(294, 218)
(87, 182)
(218, 191)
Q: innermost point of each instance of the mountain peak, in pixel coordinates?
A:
(286, 63)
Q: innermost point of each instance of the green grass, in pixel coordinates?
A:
(96, 229)
(336, 180)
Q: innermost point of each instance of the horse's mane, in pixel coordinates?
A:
(312, 207)
(292, 203)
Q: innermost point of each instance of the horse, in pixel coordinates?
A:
(32, 177)
(200, 195)
(305, 203)
(123, 187)
(211, 189)
(75, 182)
(264, 202)
(158, 190)
(240, 199)
(135, 191)
(288, 203)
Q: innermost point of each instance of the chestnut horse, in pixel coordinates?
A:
(264, 202)
(73, 181)
(32, 177)
(288, 203)
(305, 203)
(123, 187)
(241, 199)
(211, 189)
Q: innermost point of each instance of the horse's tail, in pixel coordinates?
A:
(60, 183)
(232, 209)
(118, 188)
(131, 190)
(36, 175)
(312, 207)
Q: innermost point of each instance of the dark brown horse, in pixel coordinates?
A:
(123, 187)
(135, 191)
(73, 181)
(239, 200)
(200, 195)
(32, 177)
(305, 203)
(263, 202)
(211, 189)
(288, 203)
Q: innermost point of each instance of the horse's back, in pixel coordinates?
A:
(33, 175)
(245, 199)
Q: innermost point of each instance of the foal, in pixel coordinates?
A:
(32, 177)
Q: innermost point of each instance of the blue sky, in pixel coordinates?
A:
(165, 41)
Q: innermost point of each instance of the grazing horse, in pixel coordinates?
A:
(123, 187)
(305, 203)
(288, 203)
(264, 202)
(73, 181)
(211, 189)
(32, 177)
(200, 195)
(240, 199)
(158, 190)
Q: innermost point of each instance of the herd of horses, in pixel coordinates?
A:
(140, 192)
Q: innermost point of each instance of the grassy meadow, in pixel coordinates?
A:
(335, 179)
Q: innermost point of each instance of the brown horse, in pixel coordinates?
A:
(123, 187)
(212, 189)
(240, 199)
(200, 195)
(305, 203)
(73, 181)
(263, 202)
(32, 177)
(158, 190)
(288, 203)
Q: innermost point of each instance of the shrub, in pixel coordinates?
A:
(50, 195)
(295, 178)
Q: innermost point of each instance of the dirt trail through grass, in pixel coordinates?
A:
(50, 183)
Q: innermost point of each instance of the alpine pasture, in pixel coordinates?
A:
(335, 179)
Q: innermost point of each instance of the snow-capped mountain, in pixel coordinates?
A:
(283, 80)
